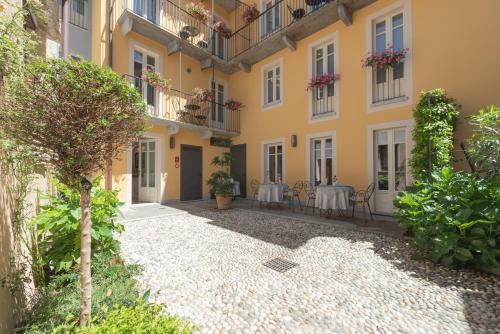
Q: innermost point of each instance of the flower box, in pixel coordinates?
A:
(198, 11)
(154, 79)
(322, 80)
(383, 60)
(250, 14)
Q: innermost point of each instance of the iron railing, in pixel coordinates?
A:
(175, 105)
(323, 100)
(271, 21)
(388, 83)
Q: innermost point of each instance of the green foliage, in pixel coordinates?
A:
(435, 116)
(59, 225)
(484, 146)
(220, 181)
(80, 115)
(140, 318)
(113, 284)
(455, 218)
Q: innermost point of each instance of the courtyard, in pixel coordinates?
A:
(208, 267)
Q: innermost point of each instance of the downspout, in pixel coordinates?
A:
(65, 28)
(109, 167)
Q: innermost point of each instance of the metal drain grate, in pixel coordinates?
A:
(280, 265)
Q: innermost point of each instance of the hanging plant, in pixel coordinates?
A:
(203, 95)
(222, 29)
(154, 79)
(233, 105)
(386, 59)
(198, 11)
(322, 80)
(250, 14)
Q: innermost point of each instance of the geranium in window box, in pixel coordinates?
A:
(250, 14)
(322, 80)
(222, 29)
(383, 60)
(154, 79)
(203, 95)
(198, 11)
(233, 105)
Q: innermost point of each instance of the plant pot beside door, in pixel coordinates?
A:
(224, 201)
(221, 182)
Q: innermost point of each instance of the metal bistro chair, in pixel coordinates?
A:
(292, 193)
(254, 189)
(362, 197)
(310, 190)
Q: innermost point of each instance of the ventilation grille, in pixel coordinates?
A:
(280, 265)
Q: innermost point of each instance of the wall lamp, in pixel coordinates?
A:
(294, 140)
(172, 142)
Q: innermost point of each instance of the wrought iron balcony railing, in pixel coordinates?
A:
(323, 100)
(388, 84)
(271, 21)
(182, 107)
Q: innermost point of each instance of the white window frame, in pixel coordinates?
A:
(77, 19)
(309, 153)
(311, 63)
(136, 46)
(404, 7)
(264, 158)
(265, 69)
(276, 28)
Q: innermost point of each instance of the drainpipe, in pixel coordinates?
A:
(108, 184)
(65, 28)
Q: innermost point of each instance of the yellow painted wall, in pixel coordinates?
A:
(455, 46)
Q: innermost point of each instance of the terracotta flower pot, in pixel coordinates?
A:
(223, 201)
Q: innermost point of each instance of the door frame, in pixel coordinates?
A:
(263, 145)
(141, 191)
(408, 124)
(243, 182)
(159, 168)
(180, 170)
(224, 83)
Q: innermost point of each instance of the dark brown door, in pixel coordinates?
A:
(191, 173)
(239, 166)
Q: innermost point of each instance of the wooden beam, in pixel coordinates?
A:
(344, 13)
(289, 42)
(173, 47)
(244, 67)
(206, 63)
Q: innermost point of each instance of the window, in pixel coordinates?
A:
(272, 17)
(145, 8)
(272, 85)
(274, 163)
(389, 83)
(323, 97)
(217, 112)
(144, 61)
(322, 160)
(77, 11)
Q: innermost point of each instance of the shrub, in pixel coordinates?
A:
(113, 284)
(435, 116)
(59, 225)
(140, 318)
(455, 218)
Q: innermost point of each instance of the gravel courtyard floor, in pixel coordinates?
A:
(207, 266)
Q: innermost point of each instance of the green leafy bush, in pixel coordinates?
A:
(140, 318)
(220, 182)
(455, 218)
(435, 116)
(113, 283)
(59, 225)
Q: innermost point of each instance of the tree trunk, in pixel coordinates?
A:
(85, 254)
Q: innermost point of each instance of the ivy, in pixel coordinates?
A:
(435, 116)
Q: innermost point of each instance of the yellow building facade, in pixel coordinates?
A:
(356, 129)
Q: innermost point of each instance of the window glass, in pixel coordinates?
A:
(151, 163)
(278, 83)
(397, 32)
(380, 37)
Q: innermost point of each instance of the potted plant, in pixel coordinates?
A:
(222, 29)
(250, 14)
(203, 95)
(385, 59)
(198, 11)
(322, 80)
(233, 105)
(154, 79)
(220, 182)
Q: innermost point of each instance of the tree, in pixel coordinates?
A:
(75, 116)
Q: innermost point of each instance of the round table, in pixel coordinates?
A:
(270, 193)
(333, 197)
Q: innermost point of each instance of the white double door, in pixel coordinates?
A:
(148, 183)
(390, 166)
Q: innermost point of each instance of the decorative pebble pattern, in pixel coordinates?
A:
(207, 266)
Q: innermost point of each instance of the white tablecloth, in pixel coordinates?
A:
(236, 188)
(333, 197)
(272, 193)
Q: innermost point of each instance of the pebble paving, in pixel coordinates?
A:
(207, 266)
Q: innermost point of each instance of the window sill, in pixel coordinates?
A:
(273, 105)
(388, 104)
(323, 117)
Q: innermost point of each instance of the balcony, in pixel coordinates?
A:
(282, 25)
(169, 25)
(388, 85)
(323, 101)
(178, 110)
